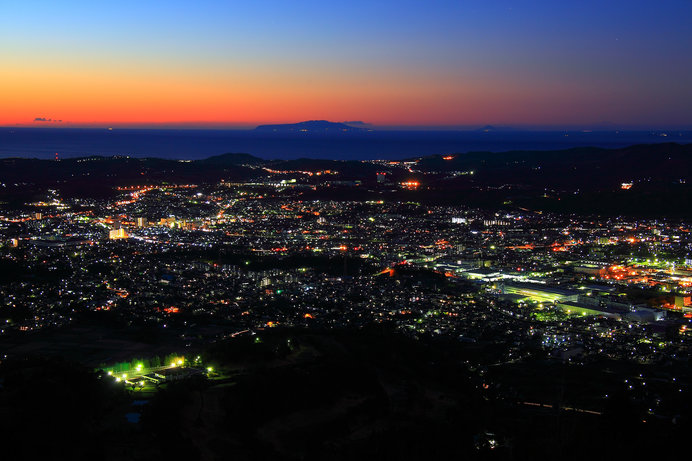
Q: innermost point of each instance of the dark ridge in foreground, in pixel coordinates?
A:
(341, 395)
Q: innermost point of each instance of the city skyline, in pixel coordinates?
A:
(401, 65)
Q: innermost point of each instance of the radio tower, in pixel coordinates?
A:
(57, 159)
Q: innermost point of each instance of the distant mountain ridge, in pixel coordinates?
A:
(492, 128)
(233, 159)
(308, 126)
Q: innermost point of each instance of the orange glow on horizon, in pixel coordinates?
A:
(103, 94)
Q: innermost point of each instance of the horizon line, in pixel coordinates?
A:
(361, 125)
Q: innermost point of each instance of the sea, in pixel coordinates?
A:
(188, 144)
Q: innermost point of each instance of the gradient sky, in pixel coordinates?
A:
(390, 63)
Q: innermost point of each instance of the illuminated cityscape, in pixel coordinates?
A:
(174, 270)
(225, 250)
(269, 267)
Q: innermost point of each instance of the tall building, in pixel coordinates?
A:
(142, 222)
(170, 221)
(116, 234)
(683, 302)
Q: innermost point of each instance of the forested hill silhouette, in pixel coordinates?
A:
(643, 180)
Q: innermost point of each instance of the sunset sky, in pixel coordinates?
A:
(390, 63)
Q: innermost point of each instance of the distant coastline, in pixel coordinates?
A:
(358, 144)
